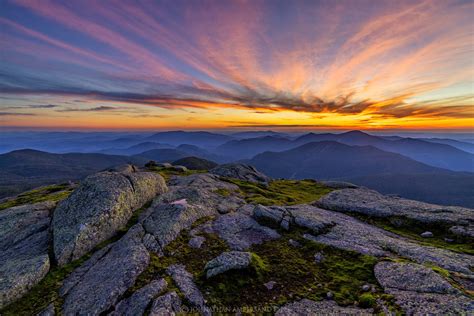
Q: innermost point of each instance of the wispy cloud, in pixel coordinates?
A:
(16, 114)
(389, 61)
(95, 109)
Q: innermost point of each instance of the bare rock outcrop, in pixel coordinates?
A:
(24, 242)
(98, 208)
(372, 203)
(345, 232)
(185, 283)
(418, 290)
(241, 172)
(97, 285)
(231, 260)
(239, 231)
(140, 299)
(166, 305)
(307, 307)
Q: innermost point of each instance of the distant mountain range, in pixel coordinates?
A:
(429, 169)
(25, 169)
(369, 166)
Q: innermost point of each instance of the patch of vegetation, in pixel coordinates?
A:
(281, 192)
(413, 229)
(367, 300)
(296, 273)
(223, 192)
(55, 193)
(167, 173)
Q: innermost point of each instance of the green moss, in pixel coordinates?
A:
(281, 192)
(55, 193)
(295, 272)
(440, 270)
(223, 192)
(179, 251)
(367, 300)
(412, 230)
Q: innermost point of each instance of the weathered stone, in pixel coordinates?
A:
(241, 172)
(241, 231)
(76, 276)
(202, 190)
(196, 242)
(149, 241)
(426, 234)
(108, 277)
(24, 244)
(124, 169)
(318, 257)
(307, 307)
(232, 260)
(180, 168)
(98, 208)
(269, 285)
(421, 291)
(366, 287)
(345, 232)
(139, 301)
(372, 203)
(189, 199)
(463, 231)
(408, 276)
(184, 281)
(168, 220)
(166, 305)
(414, 303)
(164, 165)
(20, 222)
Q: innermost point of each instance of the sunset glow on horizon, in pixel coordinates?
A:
(406, 65)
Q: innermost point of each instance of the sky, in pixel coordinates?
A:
(280, 64)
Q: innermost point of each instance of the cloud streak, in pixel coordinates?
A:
(387, 61)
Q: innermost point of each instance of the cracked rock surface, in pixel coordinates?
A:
(419, 290)
(98, 208)
(232, 260)
(24, 244)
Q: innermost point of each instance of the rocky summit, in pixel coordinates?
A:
(161, 240)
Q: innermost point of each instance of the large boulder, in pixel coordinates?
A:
(345, 232)
(188, 200)
(372, 203)
(166, 305)
(231, 260)
(308, 307)
(418, 290)
(167, 221)
(184, 280)
(97, 285)
(98, 208)
(239, 231)
(24, 244)
(409, 276)
(241, 172)
(138, 302)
